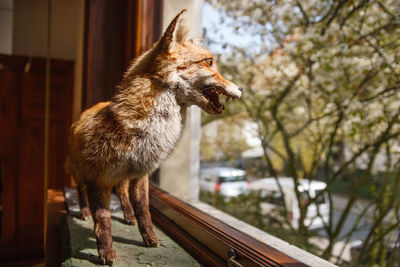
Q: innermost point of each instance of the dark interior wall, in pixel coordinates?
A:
(151, 23)
(115, 33)
(103, 54)
(22, 97)
(29, 28)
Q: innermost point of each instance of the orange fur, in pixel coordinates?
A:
(129, 136)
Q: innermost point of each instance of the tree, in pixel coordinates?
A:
(324, 80)
(220, 140)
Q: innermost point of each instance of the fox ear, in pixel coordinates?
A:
(176, 33)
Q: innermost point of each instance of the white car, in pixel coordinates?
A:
(227, 181)
(318, 212)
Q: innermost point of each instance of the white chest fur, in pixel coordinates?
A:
(158, 134)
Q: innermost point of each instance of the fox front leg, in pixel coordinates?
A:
(83, 203)
(99, 202)
(139, 195)
(123, 194)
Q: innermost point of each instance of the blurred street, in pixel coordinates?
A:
(359, 234)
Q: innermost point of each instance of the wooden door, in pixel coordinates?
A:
(22, 95)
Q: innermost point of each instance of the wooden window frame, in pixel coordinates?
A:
(209, 240)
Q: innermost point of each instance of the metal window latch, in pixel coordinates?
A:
(232, 259)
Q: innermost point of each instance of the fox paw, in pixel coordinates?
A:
(131, 220)
(85, 213)
(107, 256)
(150, 239)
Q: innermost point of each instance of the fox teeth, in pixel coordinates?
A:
(220, 109)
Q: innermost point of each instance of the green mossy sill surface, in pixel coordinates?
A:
(79, 246)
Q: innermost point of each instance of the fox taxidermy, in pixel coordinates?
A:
(120, 142)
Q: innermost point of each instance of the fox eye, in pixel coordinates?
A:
(209, 62)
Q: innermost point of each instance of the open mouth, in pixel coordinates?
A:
(212, 95)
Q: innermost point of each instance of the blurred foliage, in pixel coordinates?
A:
(322, 84)
(226, 138)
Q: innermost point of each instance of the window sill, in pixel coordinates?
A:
(213, 241)
(79, 243)
(278, 244)
(195, 227)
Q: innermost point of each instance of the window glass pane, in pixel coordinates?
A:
(316, 130)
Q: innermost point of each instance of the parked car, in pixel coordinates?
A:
(227, 181)
(272, 200)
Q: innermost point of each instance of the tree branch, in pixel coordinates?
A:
(333, 15)
(303, 12)
(351, 13)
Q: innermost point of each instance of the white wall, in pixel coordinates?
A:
(179, 174)
(194, 12)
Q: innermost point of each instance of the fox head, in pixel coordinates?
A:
(190, 70)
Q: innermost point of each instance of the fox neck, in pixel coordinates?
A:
(145, 107)
(145, 98)
(148, 103)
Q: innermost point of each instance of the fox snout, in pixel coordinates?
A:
(234, 90)
(212, 95)
(218, 87)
